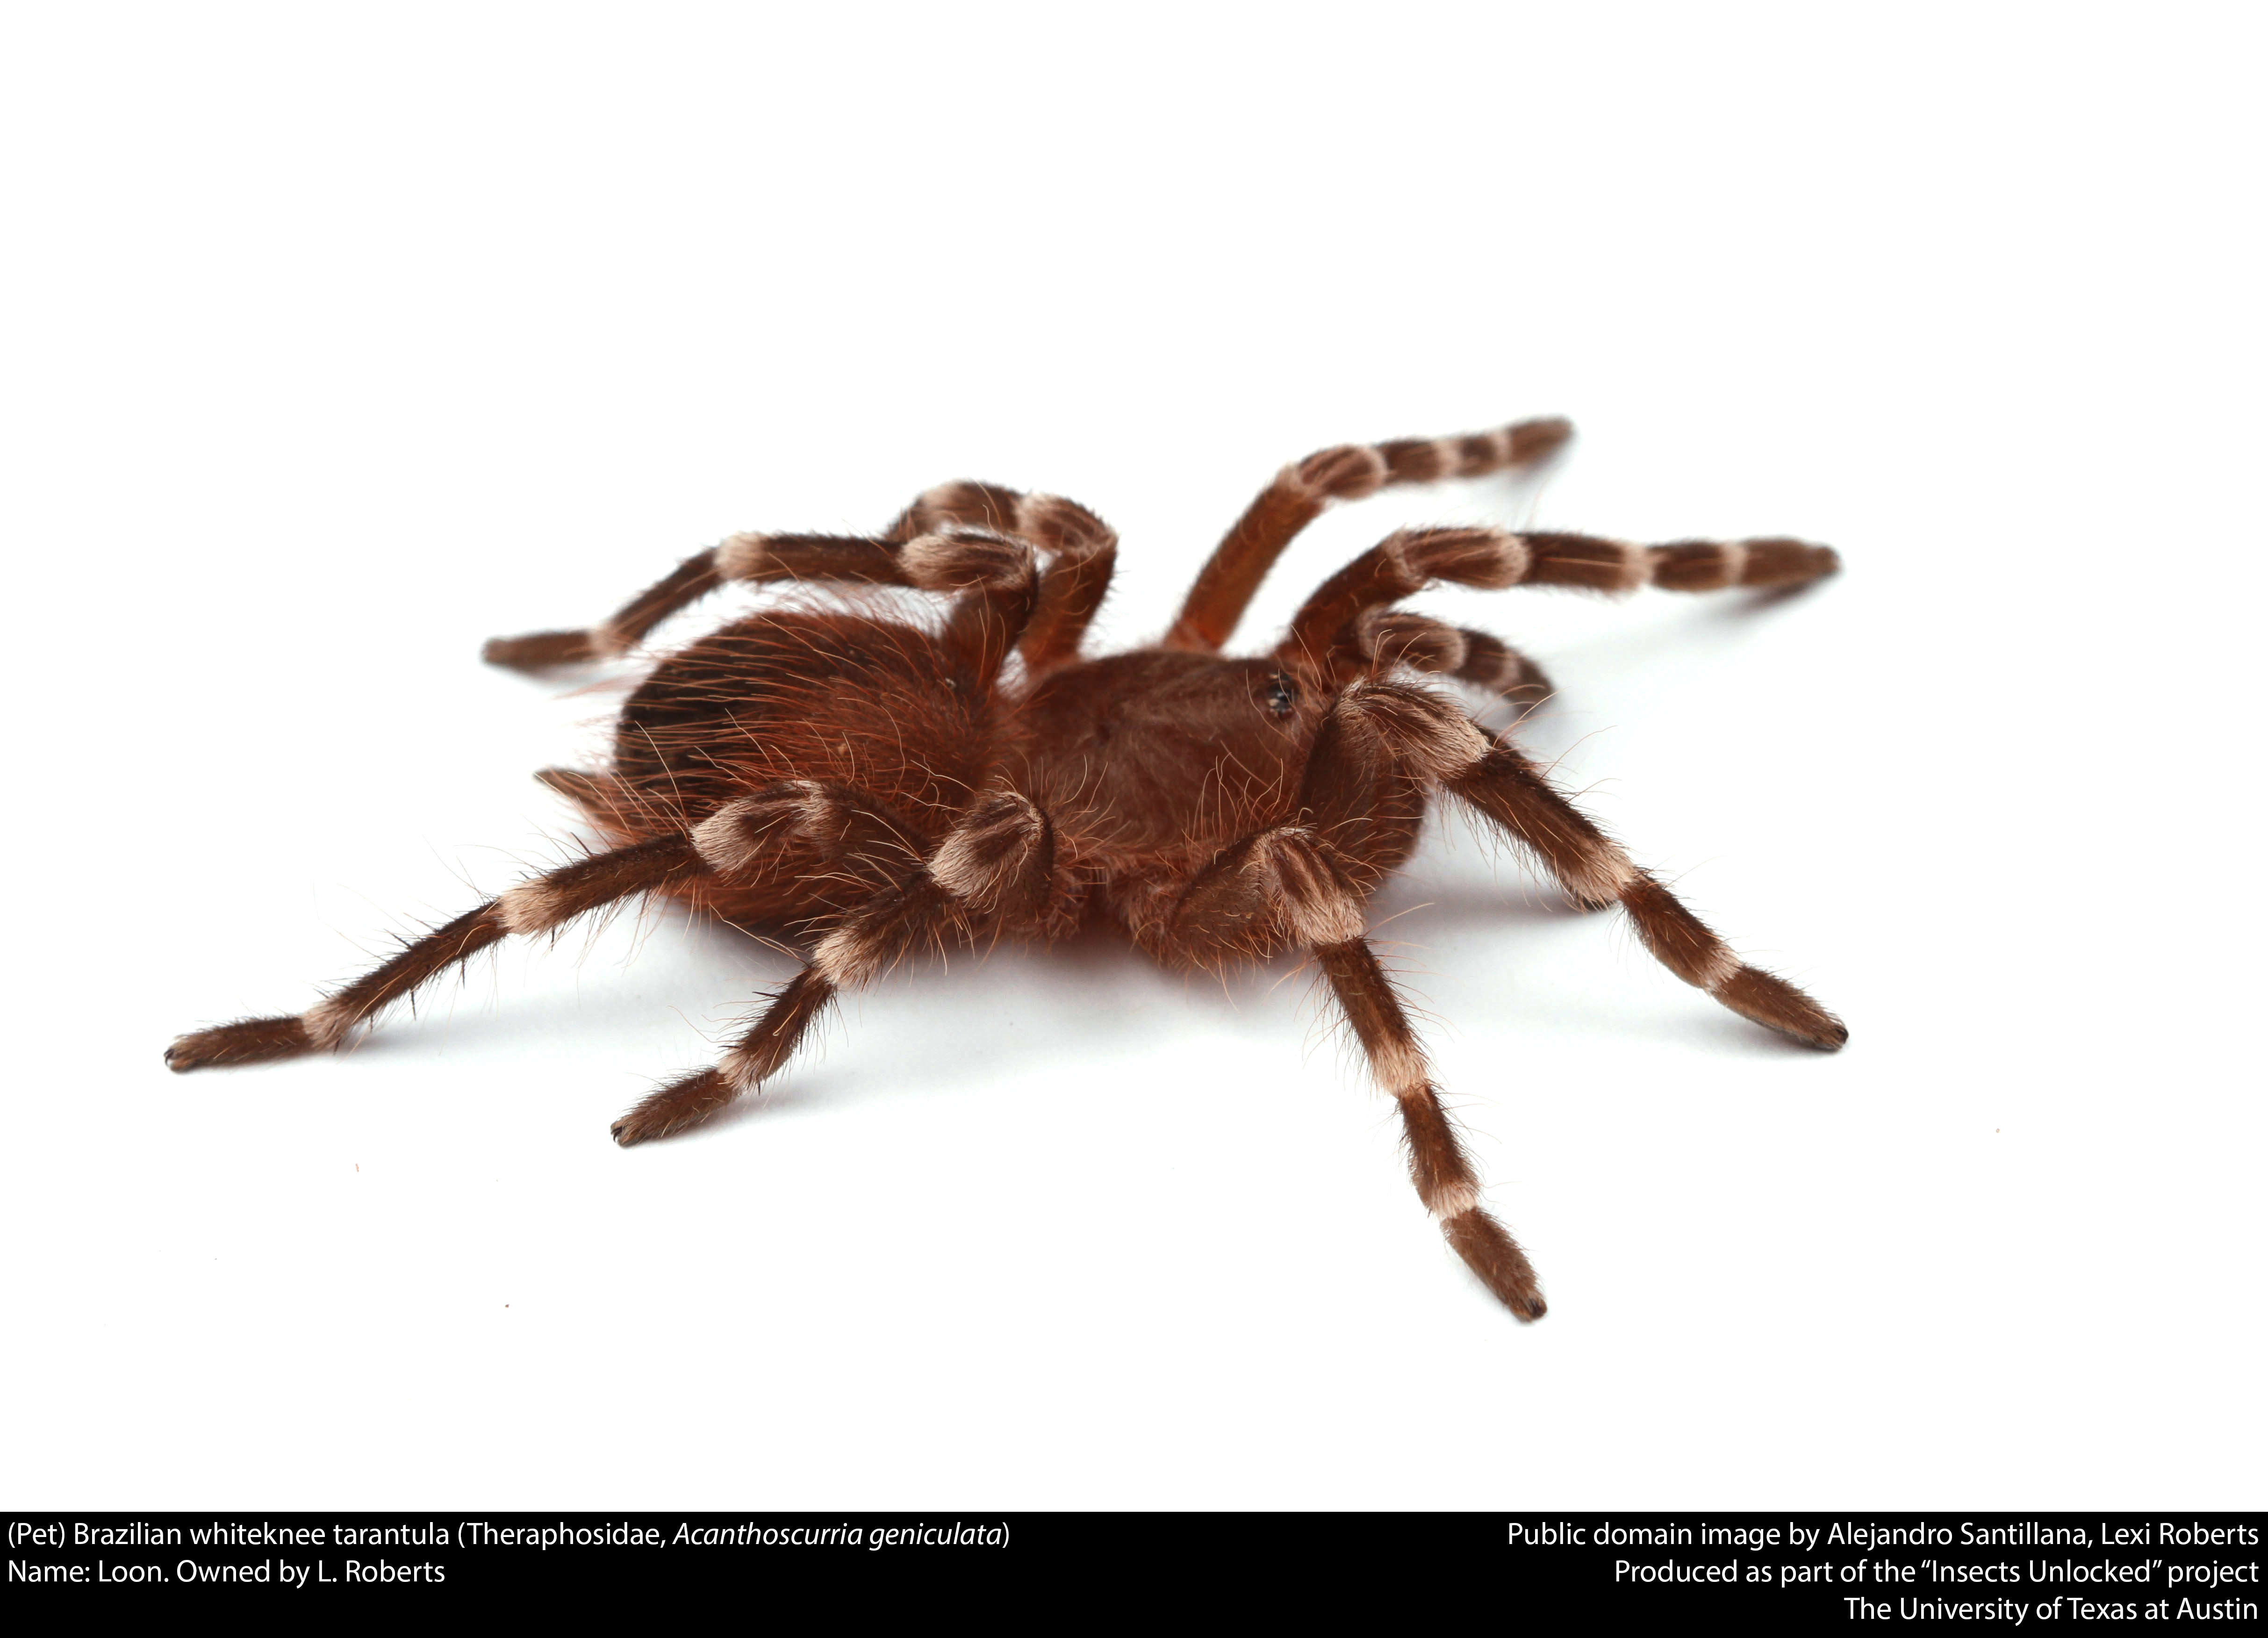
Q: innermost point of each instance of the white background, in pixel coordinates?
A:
(339, 341)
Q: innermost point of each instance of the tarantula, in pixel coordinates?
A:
(872, 785)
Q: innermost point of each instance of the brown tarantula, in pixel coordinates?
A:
(872, 787)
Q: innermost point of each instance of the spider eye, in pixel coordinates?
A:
(1281, 695)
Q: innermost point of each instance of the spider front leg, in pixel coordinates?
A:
(1407, 561)
(1224, 586)
(1285, 884)
(1507, 787)
(1303, 883)
(1375, 644)
(996, 869)
(1511, 790)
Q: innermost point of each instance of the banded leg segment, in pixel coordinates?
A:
(1375, 643)
(682, 586)
(1082, 553)
(956, 561)
(1407, 561)
(1285, 882)
(757, 1056)
(1293, 883)
(548, 902)
(1439, 1165)
(999, 585)
(1511, 790)
(1284, 885)
(893, 925)
(1226, 585)
(996, 866)
(1082, 550)
(817, 824)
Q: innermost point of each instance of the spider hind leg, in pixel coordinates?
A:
(997, 864)
(537, 906)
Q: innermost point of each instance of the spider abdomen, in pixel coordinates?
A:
(831, 700)
(869, 702)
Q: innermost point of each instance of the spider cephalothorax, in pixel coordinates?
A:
(870, 785)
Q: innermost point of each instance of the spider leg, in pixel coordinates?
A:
(1302, 491)
(1373, 643)
(1509, 789)
(1409, 560)
(803, 822)
(1285, 882)
(1082, 552)
(538, 906)
(685, 585)
(753, 1059)
(804, 826)
(738, 557)
(999, 585)
(995, 867)
(940, 562)
(1438, 1164)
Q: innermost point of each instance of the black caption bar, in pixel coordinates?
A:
(1807, 1569)
(1979, 1569)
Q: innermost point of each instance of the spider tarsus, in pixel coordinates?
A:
(249, 1041)
(1497, 1259)
(1831, 1038)
(1779, 1005)
(632, 1130)
(674, 1108)
(1533, 441)
(539, 651)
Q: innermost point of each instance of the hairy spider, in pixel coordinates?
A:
(872, 787)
